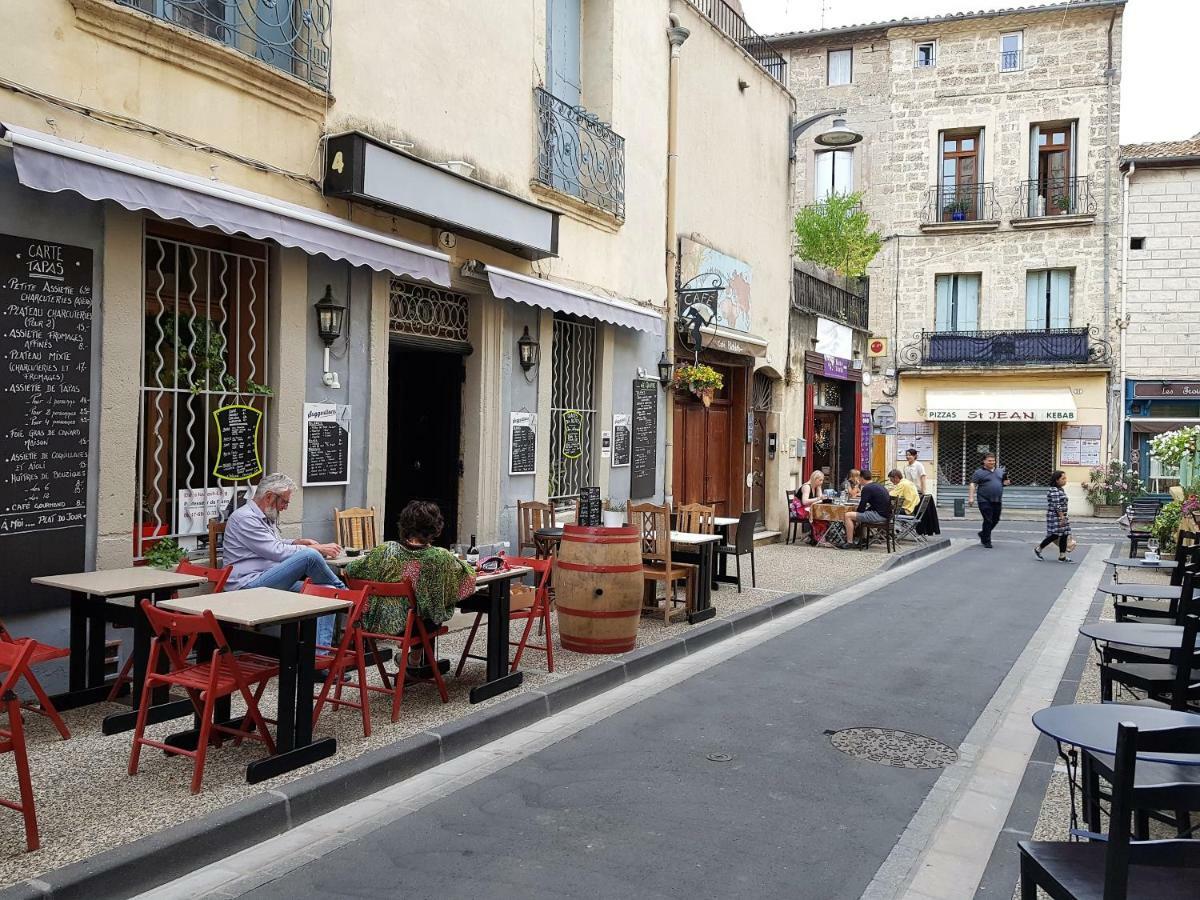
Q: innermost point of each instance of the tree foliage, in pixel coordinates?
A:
(836, 233)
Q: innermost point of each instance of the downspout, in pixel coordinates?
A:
(676, 34)
(1109, 72)
(1123, 319)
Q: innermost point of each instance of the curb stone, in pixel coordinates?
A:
(153, 860)
(917, 552)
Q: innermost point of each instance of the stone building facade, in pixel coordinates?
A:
(1159, 313)
(988, 164)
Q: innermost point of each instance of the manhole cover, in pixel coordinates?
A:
(890, 747)
(719, 757)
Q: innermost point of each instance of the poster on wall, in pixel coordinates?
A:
(1079, 445)
(916, 435)
(864, 462)
(326, 444)
(620, 432)
(522, 456)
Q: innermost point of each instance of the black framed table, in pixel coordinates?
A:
(546, 541)
(114, 595)
(1151, 564)
(296, 615)
(1141, 590)
(701, 547)
(1135, 634)
(492, 597)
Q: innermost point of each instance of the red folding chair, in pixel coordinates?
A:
(204, 682)
(336, 660)
(41, 653)
(529, 603)
(415, 634)
(216, 580)
(15, 658)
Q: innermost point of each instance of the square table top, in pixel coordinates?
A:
(120, 582)
(723, 521)
(256, 606)
(514, 572)
(686, 537)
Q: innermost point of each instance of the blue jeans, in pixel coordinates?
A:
(289, 575)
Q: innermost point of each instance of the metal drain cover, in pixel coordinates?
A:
(890, 747)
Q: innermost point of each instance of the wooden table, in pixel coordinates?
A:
(702, 546)
(835, 514)
(95, 601)
(296, 615)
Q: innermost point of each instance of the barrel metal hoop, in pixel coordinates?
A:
(588, 567)
(595, 613)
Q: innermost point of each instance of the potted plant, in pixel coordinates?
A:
(957, 209)
(1062, 202)
(164, 554)
(613, 513)
(1110, 488)
(1176, 516)
(1178, 449)
(703, 381)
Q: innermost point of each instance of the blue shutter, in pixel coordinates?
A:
(944, 308)
(968, 303)
(562, 48)
(1060, 298)
(1035, 301)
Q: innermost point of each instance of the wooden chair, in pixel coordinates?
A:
(15, 658)
(355, 527)
(1115, 867)
(216, 533)
(531, 604)
(887, 526)
(531, 515)
(334, 661)
(654, 522)
(696, 518)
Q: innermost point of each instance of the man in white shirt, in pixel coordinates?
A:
(914, 470)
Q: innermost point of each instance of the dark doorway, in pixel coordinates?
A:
(424, 418)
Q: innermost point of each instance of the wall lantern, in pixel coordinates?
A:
(527, 350)
(330, 317)
(664, 370)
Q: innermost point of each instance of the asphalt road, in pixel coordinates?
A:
(633, 805)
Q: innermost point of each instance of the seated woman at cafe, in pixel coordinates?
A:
(810, 493)
(439, 578)
(853, 484)
(900, 487)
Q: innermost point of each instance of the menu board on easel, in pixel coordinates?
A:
(643, 453)
(326, 444)
(45, 415)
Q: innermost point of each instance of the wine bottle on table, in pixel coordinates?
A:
(473, 551)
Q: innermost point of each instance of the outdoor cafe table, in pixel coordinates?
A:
(835, 514)
(703, 546)
(1135, 634)
(546, 541)
(296, 615)
(1151, 564)
(1142, 590)
(492, 597)
(96, 599)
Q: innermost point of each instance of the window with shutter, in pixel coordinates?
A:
(956, 303)
(1048, 299)
(834, 173)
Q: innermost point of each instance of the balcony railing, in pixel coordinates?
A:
(812, 295)
(1043, 198)
(960, 203)
(579, 155)
(1010, 60)
(1054, 346)
(733, 26)
(291, 35)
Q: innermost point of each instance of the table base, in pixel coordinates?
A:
(702, 615)
(497, 686)
(290, 760)
(86, 696)
(161, 712)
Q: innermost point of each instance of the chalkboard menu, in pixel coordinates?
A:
(620, 440)
(238, 429)
(46, 345)
(523, 443)
(326, 444)
(589, 507)
(642, 475)
(572, 434)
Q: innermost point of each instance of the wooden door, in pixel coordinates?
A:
(701, 455)
(716, 469)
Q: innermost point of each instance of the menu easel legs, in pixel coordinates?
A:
(499, 679)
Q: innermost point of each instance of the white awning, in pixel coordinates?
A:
(47, 163)
(1048, 405)
(548, 295)
(730, 340)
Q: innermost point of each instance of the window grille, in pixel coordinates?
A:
(205, 347)
(1025, 449)
(764, 391)
(572, 391)
(428, 312)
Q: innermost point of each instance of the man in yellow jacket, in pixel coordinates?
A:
(904, 489)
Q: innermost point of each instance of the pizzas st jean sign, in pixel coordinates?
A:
(1001, 415)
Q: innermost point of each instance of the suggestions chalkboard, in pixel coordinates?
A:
(326, 444)
(642, 475)
(45, 414)
(238, 430)
(620, 440)
(523, 443)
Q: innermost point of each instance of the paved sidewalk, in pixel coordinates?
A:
(641, 798)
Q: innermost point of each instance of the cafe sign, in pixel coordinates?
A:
(1167, 389)
(1000, 415)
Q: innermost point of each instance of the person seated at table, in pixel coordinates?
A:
(903, 489)
(810, 494)
(262, 558)
(439, 578)
(853, 484)
(874, 506)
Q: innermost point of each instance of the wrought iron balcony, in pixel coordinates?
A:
(1010, 60)
(733, 26)
(579, 155)
(960, 203)
(1043, 198)
(1053, 346)
(812, 295)
(291, 35)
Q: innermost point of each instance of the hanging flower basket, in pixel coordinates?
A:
(703, 381)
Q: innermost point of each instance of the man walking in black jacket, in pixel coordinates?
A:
(987, 483)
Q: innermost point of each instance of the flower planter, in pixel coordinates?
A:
(1107, 510)
(705, 395)
(612, 519)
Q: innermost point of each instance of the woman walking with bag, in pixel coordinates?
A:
(1058, 526)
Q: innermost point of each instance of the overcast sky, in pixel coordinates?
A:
(1161, 74)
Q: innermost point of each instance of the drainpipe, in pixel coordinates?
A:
(676, 34)
(1109, 72)
(1123, 319)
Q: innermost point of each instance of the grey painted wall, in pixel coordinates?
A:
(517, 394)
(66, 219)
(349, 357)
(631, 350)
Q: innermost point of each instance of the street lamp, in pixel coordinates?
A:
(837, 136)
(664, 370)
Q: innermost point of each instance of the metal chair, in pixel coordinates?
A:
(532, 515)
(906, 526)
(795, 524)
(355, 527)
(743, 543)
(887, 526)
(654, 523)
(1144, 514)
(1116, 867)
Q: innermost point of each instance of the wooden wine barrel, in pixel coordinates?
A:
(598, 586)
